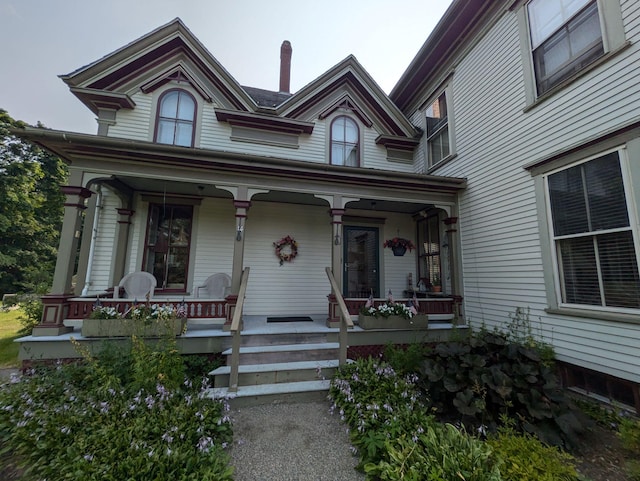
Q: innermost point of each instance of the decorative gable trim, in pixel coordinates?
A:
(264, 122)
(99, 99)
(348, 104)
(176, 74)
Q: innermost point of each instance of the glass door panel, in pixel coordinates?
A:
(360, 257)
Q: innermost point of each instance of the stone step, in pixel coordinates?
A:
(286, 353)
(307, 391)
(254, 374)
(282, 338)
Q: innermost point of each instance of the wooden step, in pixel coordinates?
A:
(285, 353)
(307, 391)
(255, 374)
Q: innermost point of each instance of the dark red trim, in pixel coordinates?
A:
(263, 122)
(75, 190)
(398, 143)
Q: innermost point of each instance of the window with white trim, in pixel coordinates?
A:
(438, 145)
(594, 243)
(565, 37)
(345, 145)
(176, 118)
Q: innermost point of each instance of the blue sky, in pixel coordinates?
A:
(45, 38)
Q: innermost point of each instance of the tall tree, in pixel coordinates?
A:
(31, 209)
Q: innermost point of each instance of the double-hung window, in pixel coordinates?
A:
(176, 118)
(593, 235)
(566, 36)
(438, 145)
(345, 145)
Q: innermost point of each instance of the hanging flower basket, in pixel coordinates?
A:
(399, 246)
(286, 249)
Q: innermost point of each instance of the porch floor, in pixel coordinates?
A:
(204, 337)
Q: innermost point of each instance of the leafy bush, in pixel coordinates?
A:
(487, 375)
(525, 458)
(94, 421)
(394, 433)
(32, 309)
(405, 359)
(441, 453)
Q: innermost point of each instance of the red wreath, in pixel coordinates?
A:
(290, 253)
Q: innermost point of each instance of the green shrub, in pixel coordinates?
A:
(441, 453)
(525, 458)
(32, 309)
(94, 421)
(487, 375)
(405, 359)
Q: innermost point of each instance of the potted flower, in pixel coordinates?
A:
(391, 315)
(399, 245)
(436, 286)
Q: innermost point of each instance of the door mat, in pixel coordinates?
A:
(290, 319)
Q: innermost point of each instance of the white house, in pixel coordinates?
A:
(507, 153)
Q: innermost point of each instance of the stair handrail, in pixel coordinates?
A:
(345, 317)
(235, 331)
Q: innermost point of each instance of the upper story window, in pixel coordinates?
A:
(176, 118)
(345, 144)
(438, 130)
(565, 37)
(593, 238)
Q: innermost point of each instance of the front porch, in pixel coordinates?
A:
(205, 333)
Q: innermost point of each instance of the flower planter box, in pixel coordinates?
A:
(420, 321)
(129, 327)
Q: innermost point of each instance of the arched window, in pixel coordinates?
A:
(176, 118)
(345, 149)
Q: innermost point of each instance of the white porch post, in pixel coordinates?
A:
(120, 245)
(242, 207)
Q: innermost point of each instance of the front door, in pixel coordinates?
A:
(361, 273)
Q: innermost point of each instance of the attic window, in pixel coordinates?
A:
(176, 118)
(344, 142)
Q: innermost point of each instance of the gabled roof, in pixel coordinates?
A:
(172, 53)
(348, 80)
(153, 55)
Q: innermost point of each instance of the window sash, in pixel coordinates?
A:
(596, 258)
(574, 45)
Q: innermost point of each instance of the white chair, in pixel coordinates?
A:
(216, 286)
(136, 285)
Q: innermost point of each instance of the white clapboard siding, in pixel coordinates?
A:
(135, 123)
(104, 242)
(397, 268)
(212, 245)
(498, 224)
(297, 287)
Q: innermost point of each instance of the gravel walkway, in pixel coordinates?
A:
(291, 442)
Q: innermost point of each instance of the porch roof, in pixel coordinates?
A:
(100, 151)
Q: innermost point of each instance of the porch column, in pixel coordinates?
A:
(56, 303)
(451, 222)
(85, 244)
(120, 245)
(333, 320)
(242, 207)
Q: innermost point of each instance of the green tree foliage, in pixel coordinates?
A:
(31, 209)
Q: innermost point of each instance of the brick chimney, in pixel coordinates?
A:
(285, 66)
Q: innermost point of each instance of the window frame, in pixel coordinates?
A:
(447, 92)
(151, 245)
(613, 40)
(159, 117)
(344, 143)
(558, 286)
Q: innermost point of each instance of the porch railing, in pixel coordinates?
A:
(235, 332)
(345, 317)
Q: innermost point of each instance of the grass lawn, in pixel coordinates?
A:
(9, 327)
